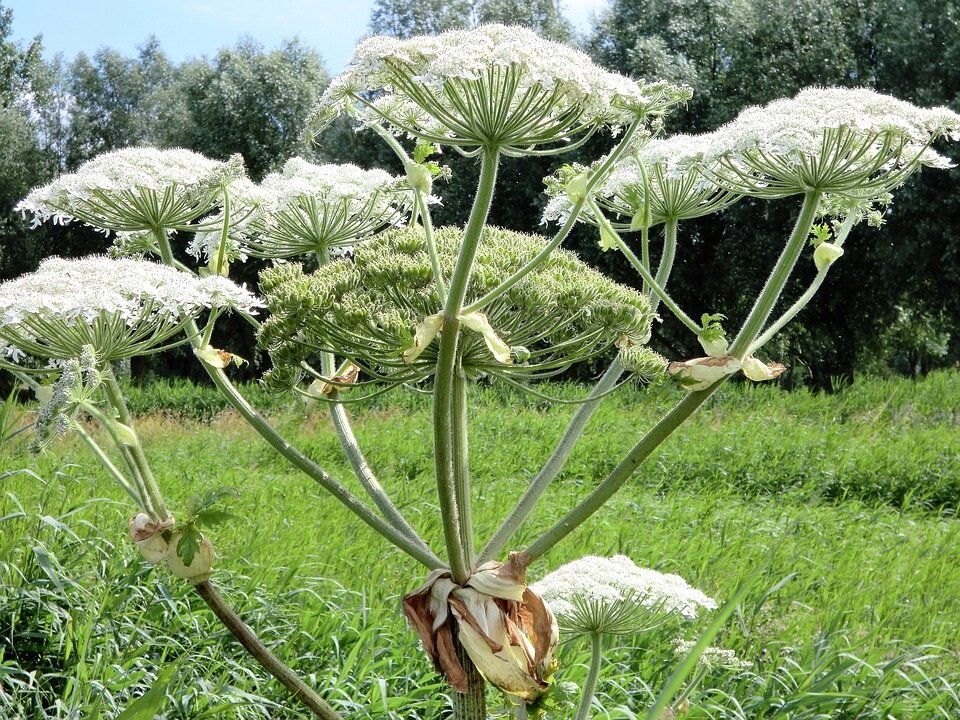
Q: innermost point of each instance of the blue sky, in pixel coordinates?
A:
(191, 28)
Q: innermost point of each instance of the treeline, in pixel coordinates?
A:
(891, 303)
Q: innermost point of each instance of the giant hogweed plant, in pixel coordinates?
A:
(366, 295)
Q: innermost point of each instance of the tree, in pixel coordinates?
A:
(406, 18)
(253, 102)
(119, 101)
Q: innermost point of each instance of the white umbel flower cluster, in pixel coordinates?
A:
(132, 189)
(121, 307)
(600, 594)
(306, 208)
(662, 179)
(841, 140)
(314, 208)
(442, 88)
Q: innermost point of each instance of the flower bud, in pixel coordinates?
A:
(701, 373)
(419, 177)
(577, 187)
(147, 534)
(200, 566)
(217, 358)
(825, 254)
(714, 346)
(759, 371)
(609, 240)
(125, 434)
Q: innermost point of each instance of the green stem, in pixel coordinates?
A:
(365, 475)
(444, 426)
(553, 465)
(150, 487)
(804, 299)
(620, 474)
(595, 177)
(656, 289)
(407, 544)
(461, 464)
(421, 209)
(253, 645)
(431, 246)
(778, 278)
(590, 685)
(666, 261)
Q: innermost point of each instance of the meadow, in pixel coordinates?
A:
(841, 507)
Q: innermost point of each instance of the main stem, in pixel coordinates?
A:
(449, 434)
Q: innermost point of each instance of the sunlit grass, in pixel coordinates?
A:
(842, 505)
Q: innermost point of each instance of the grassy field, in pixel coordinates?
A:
(842, 506)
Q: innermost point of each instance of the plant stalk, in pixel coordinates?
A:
(590, 685)
(444, 426)
(620, 474)
(778, 278)
(252, 644)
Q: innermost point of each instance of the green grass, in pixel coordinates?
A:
(842, 505)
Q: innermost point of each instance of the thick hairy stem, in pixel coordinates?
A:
(461, 464)
(444, 427)
(471, 705)
(365, 475)
(252, 644)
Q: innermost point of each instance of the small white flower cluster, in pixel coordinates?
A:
(665, 172)
(508, 63)
(121, 172)
(615, 581)
(796, 126)
(839, 140)
(306, 207)
(79, 290)
(135, 299)
(713, 656)
(330, 183)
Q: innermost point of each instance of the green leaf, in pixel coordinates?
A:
(189, 544)
(423, 150)
(148, 705)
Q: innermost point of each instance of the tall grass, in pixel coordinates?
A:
(843, 504)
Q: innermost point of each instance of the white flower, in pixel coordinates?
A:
(661, 179)
(120, 307)
(133, 189)
(615, 596)
(441, 88)
(310, 208)
(713, 656)
(847, 141)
